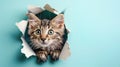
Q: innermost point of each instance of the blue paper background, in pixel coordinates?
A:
(94, 39)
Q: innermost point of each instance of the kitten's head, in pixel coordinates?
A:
(46, 32)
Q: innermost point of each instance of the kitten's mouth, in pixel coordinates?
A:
(44, 43)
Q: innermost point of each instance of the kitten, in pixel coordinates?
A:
(47, 37)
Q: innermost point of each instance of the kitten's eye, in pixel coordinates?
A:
(37, 31)
(50, 32)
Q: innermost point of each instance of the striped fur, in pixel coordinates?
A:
(46, 35)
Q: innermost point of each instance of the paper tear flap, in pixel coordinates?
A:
(26, 48)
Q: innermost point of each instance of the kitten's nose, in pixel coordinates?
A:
(43, 39)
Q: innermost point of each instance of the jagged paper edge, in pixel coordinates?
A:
(26, 48)
(29, 52)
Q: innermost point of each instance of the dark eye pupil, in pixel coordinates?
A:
(38, 31)
(50, 32)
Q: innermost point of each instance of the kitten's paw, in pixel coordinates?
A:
(55, 55)
(42, 56)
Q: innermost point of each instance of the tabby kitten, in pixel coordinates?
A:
(47, 37)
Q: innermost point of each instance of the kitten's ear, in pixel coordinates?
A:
(32, 16)
(58, 21)
(33, 20)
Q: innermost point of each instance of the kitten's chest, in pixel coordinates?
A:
(52, 47)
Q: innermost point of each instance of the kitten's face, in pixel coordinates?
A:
(44, 33)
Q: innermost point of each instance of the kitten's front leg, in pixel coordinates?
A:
(54, 54)
(42, 56)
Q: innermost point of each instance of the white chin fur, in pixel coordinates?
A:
(37, 44)
(45, 45)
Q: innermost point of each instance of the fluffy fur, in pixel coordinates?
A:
(46, 36)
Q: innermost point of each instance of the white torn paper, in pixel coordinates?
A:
(22, 27)
(65, 52)
(29, 52)
(34, 9)
(26, 49)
